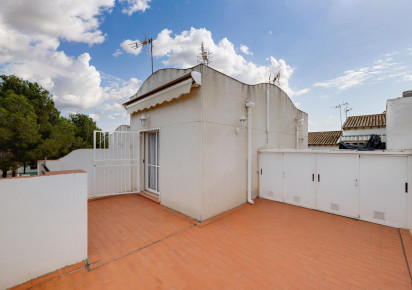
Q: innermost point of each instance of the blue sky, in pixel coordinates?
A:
(327, 52)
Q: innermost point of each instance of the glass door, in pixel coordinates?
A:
(152, 162)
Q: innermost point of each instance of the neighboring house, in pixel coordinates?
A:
(194, 141)
(393, 126)
(324, 140)
(357, 129)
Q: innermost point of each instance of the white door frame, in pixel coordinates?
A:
(146, 164)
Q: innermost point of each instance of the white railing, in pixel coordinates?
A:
(116, 162)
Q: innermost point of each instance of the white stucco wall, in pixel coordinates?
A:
(398, 124)
(224, 156)
(43, 222)
(203, 161)
(77, 159)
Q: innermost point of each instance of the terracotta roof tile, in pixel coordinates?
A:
(357, 122)
(324, 138)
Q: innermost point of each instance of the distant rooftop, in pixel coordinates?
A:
(365, 121)
(323, 138)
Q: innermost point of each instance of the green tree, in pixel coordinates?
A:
(84, 127)
(19, 131)
(31, 127)
(60, 141)
(41, 100)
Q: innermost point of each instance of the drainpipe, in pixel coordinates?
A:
(299, 123)
(249, 106)
(267, 115)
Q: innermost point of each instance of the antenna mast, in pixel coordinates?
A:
(146, 40)
(205, 55)
(347, 110)
(340, 111)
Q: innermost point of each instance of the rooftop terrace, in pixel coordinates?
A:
(136, 243)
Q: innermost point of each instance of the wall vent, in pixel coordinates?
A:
(296, 199)
(334, 206)
(270, 193)
(379, 215)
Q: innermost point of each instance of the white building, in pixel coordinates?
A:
(193, 141)
(358, 129)
(399, 123)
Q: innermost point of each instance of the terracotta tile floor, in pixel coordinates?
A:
(140, 245)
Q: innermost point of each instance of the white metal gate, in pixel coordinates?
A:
(116, 162)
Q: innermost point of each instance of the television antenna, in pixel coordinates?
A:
(344, 104)
(205, 55)
(276, 78)
(147, 40)
(347, 110)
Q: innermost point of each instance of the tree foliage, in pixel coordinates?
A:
(84, 128)
(31, 127)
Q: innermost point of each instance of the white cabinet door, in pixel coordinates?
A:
(271, 176)
(337, 184)
(299, 186)
(382, 190)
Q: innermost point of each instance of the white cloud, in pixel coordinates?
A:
(392, 53)
(245, 50)
(120, 91)
(113, 107)
(382, 69)
(74, 20)
(117, 52)
(95, 117)
(297, 104)
(325, 97)
(182, 50)
(301, 92)
(133, 6)
(127, 47)
(30, 33)
(72, 81)
(349, 79)
(407, 78)
(270, 32)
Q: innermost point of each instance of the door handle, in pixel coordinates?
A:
(313, 177)
(318, 177)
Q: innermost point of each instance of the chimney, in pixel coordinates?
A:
(407, 94)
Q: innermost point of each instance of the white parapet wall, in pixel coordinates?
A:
(43, 225)
(77, 159)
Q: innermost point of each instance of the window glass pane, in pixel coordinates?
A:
(152, 177)
(152, 148)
